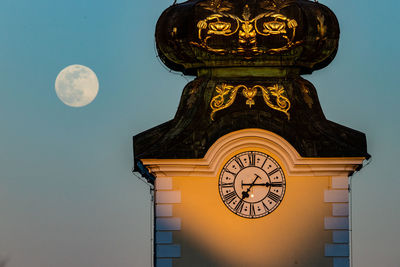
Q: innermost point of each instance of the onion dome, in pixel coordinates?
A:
(248, 56)
(200, 34)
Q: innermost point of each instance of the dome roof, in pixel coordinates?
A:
(200, 34)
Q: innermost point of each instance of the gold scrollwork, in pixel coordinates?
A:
(273, 97)
(226, 95)
(282, 102)
(225, 24)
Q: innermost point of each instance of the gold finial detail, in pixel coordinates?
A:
(249, 93)
(246, 13)
(321, 27)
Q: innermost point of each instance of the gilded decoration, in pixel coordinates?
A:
(274, 97)
(276, 91)
(245, 29)
(226, 95)
(321, 27)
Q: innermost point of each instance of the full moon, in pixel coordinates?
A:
(77, 85)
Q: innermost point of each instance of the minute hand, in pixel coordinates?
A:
(266, 184)
(245, 194)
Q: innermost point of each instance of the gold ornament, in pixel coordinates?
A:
(273, 97)
(226, 24)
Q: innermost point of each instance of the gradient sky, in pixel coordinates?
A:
(67, 194)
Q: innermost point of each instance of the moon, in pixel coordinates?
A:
(77, 85)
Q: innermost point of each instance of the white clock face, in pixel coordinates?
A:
(252, 184)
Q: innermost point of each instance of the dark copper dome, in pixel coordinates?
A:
(248, 56)
(261, 33)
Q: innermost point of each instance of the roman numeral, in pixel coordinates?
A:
(265, 206)
(273, 196)
(229, 197)
(262, 166)
(239, 206)
(274, 171)
(252, 210)
(252, 158)
(276, 184)
(239, 162)
(227, 185)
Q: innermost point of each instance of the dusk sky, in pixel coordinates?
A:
(67, 193)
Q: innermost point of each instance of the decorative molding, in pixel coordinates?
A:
(168, 197)
(341, 262)
(168, 251)
(165, 197)
(163, 237)
(336, 196)
(338, 224)
(339, 209)
(340, 237)
(164, 263)
(294, 164)
(164, 183)
(340, 182)
(337, 250)
(163, 210)
(168, 224)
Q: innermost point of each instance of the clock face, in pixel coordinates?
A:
(252, 184)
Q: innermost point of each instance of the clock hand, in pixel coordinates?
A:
(245, 194)
(266, 184)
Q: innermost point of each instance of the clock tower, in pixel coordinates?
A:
(249, 172)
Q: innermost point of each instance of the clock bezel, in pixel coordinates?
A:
(280, 171)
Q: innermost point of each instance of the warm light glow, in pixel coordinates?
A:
(292, 235)
(218, 236)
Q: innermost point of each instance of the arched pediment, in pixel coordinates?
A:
(294, 164)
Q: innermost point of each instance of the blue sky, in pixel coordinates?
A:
(67, 195)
